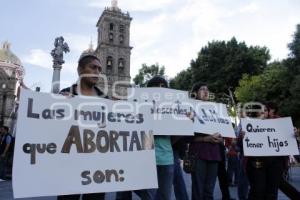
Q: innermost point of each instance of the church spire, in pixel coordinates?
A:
(114, 4)
(91, 46)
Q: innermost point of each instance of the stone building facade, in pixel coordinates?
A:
(114, 50)
(11, 72)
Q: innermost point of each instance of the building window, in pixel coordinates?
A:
(111, 37)
(111, 26)
(121, 28)
(121, 65)
(121, 38)
(109, 65)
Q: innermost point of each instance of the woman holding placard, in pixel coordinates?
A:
(206, 150)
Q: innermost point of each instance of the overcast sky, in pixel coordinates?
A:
(168, 32)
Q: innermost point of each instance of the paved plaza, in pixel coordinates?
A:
(6, 192)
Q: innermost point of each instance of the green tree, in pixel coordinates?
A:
(291, 106)
(183, 80)
(271, 85)
(274, 84)
(293, 62)
(279, 83)
(294, 46)
(147, 72)
(221, 65)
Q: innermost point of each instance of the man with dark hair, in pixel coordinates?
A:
(4, 147)
(89, 68)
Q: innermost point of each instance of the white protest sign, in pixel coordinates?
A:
(269, 137)
(158, 94)
(80, 145)
(169, 109)
(211, 117)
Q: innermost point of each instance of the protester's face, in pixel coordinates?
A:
(271, 113)
(203, 93)
(264, 114)
(90, 72)
(2, 131)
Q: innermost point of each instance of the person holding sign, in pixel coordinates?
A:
(206, 150)
(265, 172)
(89, 68)
(164, 162)
(163, 154)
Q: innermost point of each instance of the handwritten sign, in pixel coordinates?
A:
(80, 145)
(174, 113)
(210, 118)
(169, 109)
(269, 137)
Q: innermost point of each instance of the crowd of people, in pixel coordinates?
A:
(257, 178)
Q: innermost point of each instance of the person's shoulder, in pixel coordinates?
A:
(9, 137)
(70, 89)
(100, 93)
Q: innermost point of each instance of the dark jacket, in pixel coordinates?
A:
(73, 91)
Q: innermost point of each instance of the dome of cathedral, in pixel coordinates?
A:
(7, 56)
(9, 62)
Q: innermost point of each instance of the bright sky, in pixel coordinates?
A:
(169, 32)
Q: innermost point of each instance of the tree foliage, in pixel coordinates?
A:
(147, 72)
(279, 83)
(232, 65)
(294, 46)
(183, 80)
(221, 65)
(270, 85)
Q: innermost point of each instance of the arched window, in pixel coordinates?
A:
(121, 39)
(111, 26)
(121, 65)
(109, 65)
(111, 37)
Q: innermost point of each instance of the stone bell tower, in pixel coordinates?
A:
(113, 49)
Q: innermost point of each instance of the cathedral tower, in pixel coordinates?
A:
(113, 49)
